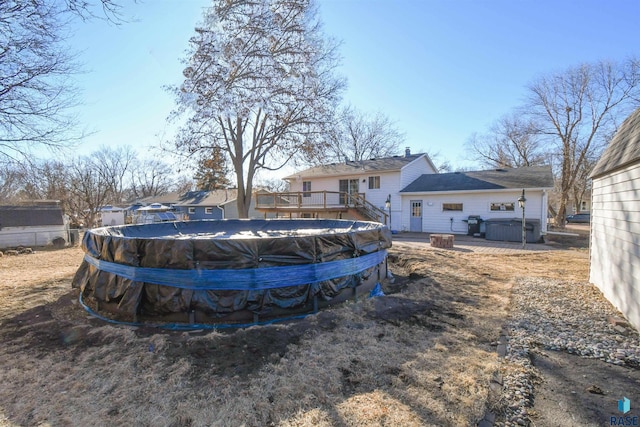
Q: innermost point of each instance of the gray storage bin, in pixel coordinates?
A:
(510, 229)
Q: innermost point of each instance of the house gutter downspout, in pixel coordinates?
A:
(544, 207)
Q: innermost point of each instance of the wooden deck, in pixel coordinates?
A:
(316, 204)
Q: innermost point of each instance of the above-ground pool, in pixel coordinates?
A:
(228, 271)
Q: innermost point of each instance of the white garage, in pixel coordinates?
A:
(615, 221)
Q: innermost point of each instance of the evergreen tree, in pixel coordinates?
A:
(212, 172)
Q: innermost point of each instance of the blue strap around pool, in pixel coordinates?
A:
(243, 279)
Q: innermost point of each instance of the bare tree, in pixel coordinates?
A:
(259, 84)
(182, 184)
(359, 136)
(109, 10)
(50, 180)
(576, 110)
(89, 190)
(86, 184)
(115, 165)
(36, 68)
(567, 120)
(582, 182)
(441, 164)
(150, 177)
(11, 178)
(511, 142)
(274, 184)
(45, 180)
(35, 88)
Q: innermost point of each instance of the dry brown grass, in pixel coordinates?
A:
(422, 355)
(31, 280)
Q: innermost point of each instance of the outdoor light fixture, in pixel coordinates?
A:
(521, 202)
(387, 204)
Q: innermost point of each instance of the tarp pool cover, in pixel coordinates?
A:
(228, 270)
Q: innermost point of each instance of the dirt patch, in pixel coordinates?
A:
(422, 355)
(578, 391)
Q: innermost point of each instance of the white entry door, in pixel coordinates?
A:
(415, 223)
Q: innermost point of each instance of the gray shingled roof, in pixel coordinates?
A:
(208, 198)
(195, 198)
(30, 216)
(386, 164)
(495, 179)
(623, 149)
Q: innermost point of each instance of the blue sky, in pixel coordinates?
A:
(441, 70)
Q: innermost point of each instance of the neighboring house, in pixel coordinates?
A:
(584, 206)
(615, 221)
(112, 215)
(168, 199)
(214, 204)
(32, 225)
(353, 189)
(442, 203)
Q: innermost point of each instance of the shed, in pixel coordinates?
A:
(615, 220)
(32, 225)
(112, 215)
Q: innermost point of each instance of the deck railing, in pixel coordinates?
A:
(311, 200)
(369, 209)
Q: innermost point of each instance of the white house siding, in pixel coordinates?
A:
(615, 239)
(435, 220)
(112, 218)
(230, 210)
(413, 170)
(32, 236)
(389, 185)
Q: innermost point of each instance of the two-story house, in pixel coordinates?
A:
(408, 194)
(367, 189)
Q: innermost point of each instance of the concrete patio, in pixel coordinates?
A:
(464, 243)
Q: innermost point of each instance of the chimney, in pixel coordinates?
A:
(407, 152)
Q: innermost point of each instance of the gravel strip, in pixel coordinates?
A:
(561, 316)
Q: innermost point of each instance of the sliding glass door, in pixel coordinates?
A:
(348, 187)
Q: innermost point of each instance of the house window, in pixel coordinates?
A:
(374, 182)
(452, 206)
(504, 207)
(208, 211)
(306, 186)
(416, 208)
(192, 211)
